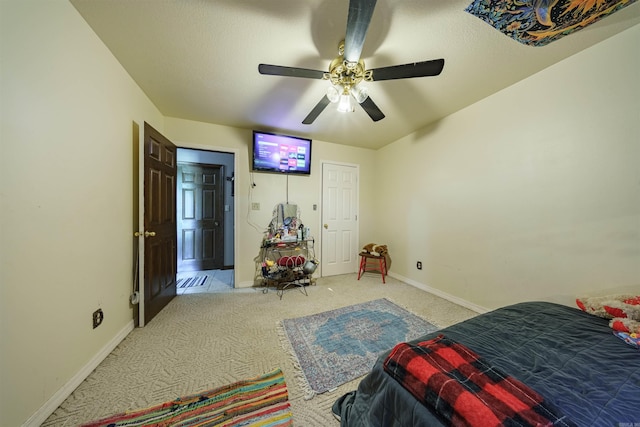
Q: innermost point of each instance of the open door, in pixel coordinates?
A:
(159, 234)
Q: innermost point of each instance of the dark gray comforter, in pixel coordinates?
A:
(570, 357)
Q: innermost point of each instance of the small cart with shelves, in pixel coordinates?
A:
(288, 253)
(288, 264)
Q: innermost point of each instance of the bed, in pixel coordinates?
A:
(568, 356)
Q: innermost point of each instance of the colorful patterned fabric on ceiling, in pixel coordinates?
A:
(539, 22)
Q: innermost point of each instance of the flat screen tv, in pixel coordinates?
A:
(281, 153)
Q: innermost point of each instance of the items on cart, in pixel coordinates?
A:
(288, 258)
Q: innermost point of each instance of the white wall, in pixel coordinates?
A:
(271, 189)
(532, 193)
(66, 194)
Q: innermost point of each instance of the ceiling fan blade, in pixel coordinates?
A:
(360, 12)
(372, 109)
(407, 71)
(278, 70)
(319, 108)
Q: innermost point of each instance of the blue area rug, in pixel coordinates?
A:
(337, 346)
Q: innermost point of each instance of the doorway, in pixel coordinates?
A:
(340, 200)
(205, 226)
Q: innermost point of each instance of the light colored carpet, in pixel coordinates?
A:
(202, 341)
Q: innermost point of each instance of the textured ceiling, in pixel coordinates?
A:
(198, 60)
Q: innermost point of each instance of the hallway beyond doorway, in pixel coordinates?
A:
(215, 281)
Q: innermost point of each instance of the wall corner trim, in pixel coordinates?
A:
(454, 299)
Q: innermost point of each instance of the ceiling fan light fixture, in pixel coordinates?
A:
(359, 93)
(344, 105)
(333, 94)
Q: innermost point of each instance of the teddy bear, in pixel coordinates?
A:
(375, 249)
(378, 250)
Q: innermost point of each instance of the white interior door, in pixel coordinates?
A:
(339, 219)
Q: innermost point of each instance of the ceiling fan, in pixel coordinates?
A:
(347, 70)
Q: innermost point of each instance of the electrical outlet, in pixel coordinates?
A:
(98, 317)
(419, 265)
(255, 206)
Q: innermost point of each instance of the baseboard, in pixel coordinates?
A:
(65, 391)
(454, 299)
(246, 284)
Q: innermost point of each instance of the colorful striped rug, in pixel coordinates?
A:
(258, 402)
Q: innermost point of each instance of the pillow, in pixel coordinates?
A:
(623, 310)
(625, 325)
(627, 308)
(611, 306)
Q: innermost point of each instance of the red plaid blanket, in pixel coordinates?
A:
(465, 390)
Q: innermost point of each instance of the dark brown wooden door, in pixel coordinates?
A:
(160, 240)
(201, 217)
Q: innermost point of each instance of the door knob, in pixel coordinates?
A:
(326, 226)
(149, 233)
(216, 223)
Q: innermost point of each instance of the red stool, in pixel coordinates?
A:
(369, 262)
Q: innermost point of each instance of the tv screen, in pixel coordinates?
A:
(281, 153)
